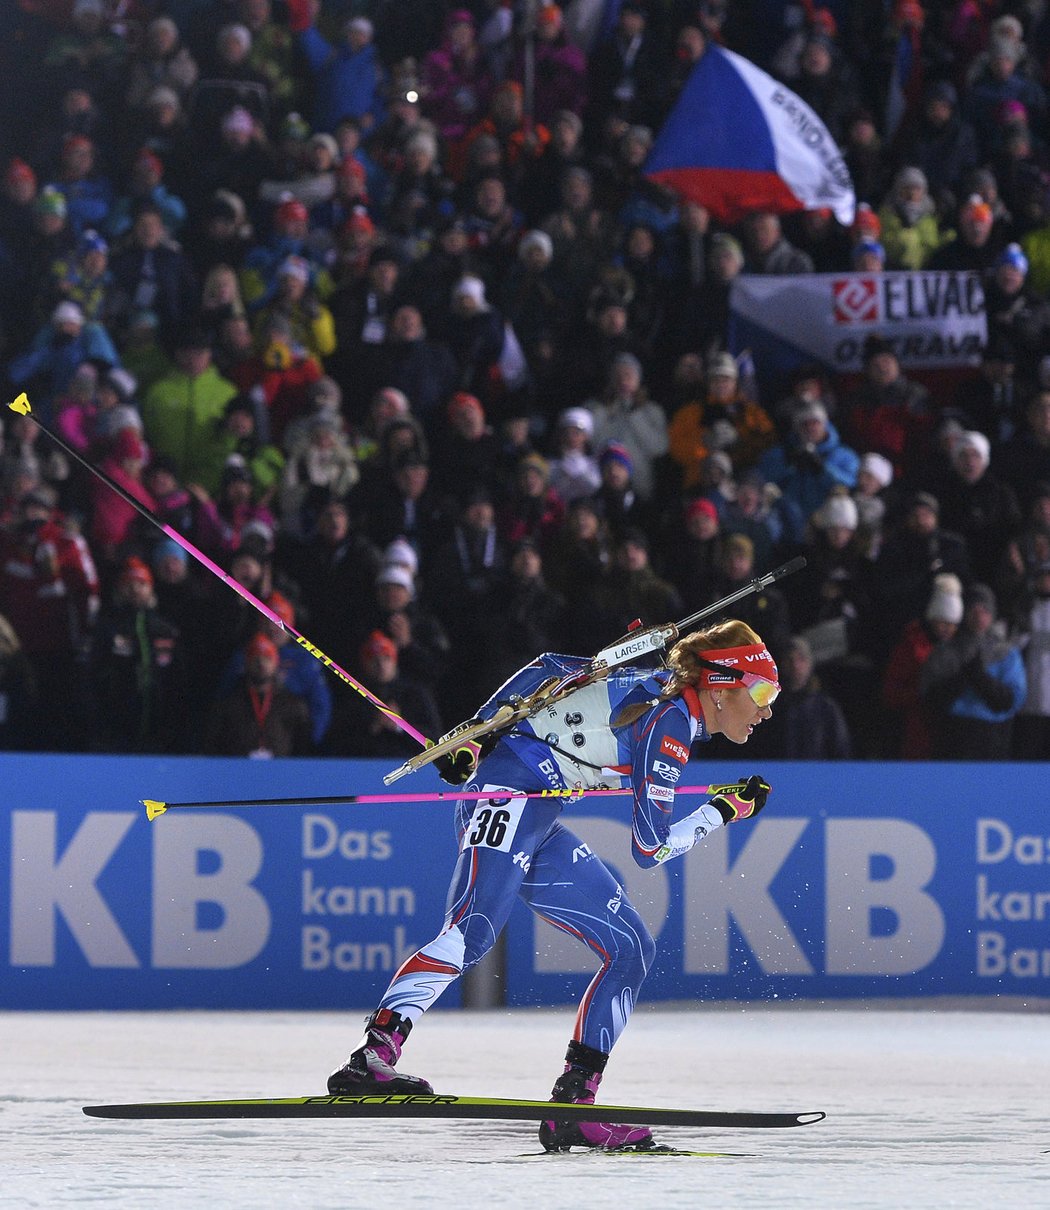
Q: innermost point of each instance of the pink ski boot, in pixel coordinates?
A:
(370, 1068)
(579, 1084)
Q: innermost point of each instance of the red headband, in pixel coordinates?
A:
(753, 660)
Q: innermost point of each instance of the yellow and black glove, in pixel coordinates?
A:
(741, 800)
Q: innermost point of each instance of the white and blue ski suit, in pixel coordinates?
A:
(512, 846)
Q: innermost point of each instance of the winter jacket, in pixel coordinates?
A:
(182, 415)
(56, 362)
(346, 83)
(687, 438)
(908, 247)
(807, 476)
(640, 428)
(112, 517)
(900, 690)
(1037, 659)
(49, 589)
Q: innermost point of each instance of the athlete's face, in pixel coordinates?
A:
(739, 715)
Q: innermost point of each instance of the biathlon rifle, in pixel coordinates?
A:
(636, 645)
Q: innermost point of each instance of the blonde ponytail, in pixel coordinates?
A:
(682, 661)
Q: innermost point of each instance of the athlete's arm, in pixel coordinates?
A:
(663, 738)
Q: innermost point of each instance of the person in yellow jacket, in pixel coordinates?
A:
(724, 419)
(911, 232)
(184, 409)
(295, 297)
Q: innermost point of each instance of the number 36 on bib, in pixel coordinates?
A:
(494, 821)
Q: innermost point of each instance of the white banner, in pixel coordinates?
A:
(934, 320)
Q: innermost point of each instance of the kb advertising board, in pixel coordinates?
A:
(858, 880)
(262, 907)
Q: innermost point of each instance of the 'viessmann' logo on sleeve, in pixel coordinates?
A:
(675, 750)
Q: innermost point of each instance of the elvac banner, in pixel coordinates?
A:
(858, 880)
(934, 320)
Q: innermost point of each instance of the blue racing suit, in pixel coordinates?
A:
(512, 847)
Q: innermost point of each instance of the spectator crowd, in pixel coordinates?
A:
(373, 302)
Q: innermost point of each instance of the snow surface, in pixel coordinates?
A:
(925, 1108)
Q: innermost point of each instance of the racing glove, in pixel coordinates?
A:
(741, 800)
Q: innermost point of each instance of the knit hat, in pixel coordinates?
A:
(236, 469)
(378, 644)
(463, 401)
(910, 178)
(880, 469)
(281, 606)
(975, 207)
(973, 440)
(321, 139)
(615, 452)
(867, 222)
(925, 500)
(722, 241)
(19, 170)
(135, 569)
(360, 25)
(723, 365)
(296, 267)
(395, 573)
(470, 287)
(946, 601)
(837, 511)
(701, 507)
(151, 159)
(814, 410)
(536, 239)
(1013, 255)
(167, 548)
(536, 462)
(401, 553)
(50, 201)
(161, 94)
(238, 121)
(260, 644)
(325, 393)
(67, 313)
(739, 544)
(359, 220)
(236, 32)
(627, 359)
(980, 594)
(577, 418)
(122, 382)
(869, 247)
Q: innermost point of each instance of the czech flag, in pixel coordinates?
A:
(738, 141)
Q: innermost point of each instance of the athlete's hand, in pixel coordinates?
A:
(742, 800)
(458, 766)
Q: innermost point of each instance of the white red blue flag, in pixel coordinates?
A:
(738, 141)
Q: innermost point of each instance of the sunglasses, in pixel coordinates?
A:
(762, 692)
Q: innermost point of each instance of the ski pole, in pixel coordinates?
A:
(22, 406)
(155, 808)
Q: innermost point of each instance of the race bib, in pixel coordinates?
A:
(494, 821)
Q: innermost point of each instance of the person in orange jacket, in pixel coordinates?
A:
(724, 420)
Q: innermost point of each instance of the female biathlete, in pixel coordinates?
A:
(634, 729)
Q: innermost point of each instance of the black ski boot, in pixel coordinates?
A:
(370, 1067)
(578, 1084)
